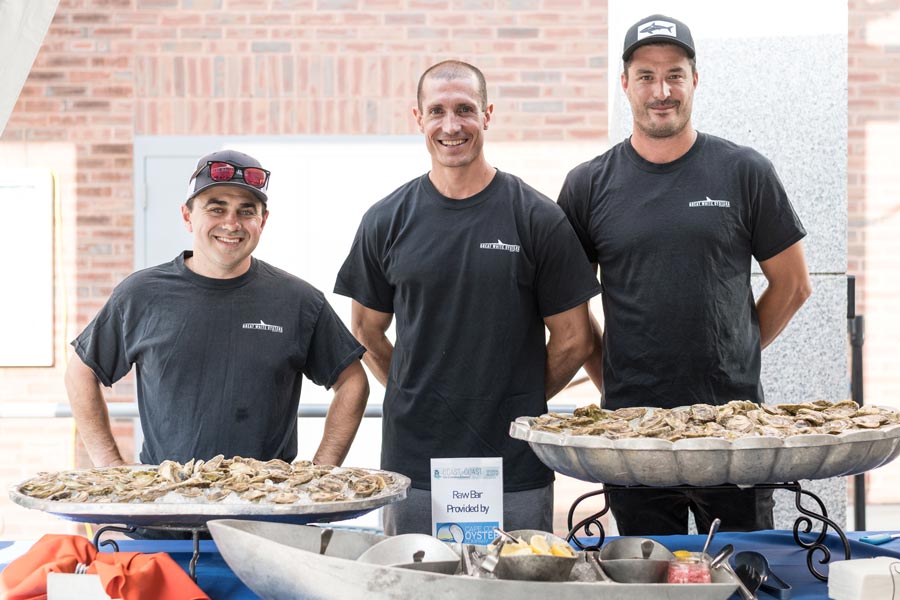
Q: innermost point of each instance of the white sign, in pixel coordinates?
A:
(466, 499)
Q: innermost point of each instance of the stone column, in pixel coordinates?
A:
(773, 76)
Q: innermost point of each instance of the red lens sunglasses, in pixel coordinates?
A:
(223, 171)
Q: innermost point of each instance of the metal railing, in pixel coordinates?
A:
(129, 410)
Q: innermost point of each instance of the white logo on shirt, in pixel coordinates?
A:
(499, 245)
(708, 202)
(264, 327)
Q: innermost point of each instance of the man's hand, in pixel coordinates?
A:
(351, 391)
(570, 343)
(91, 414)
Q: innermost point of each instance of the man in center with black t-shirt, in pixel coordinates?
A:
(673, 216)
(474, 264)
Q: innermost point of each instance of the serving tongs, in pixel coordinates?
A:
(720, 561)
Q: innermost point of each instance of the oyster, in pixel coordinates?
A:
(737, 423)
(284, 498)
(869, 421)
(367, 485)
(651, 420)
(628, 414)
(190, 492)
(703, 413)
(592, 411)
(253, 495)
(842, 410)
(816, 417)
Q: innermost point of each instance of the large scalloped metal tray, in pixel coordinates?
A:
(160, 514)
(710, 461)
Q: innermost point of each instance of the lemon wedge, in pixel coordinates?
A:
(515, 550)
(562, 550)
(539, 544)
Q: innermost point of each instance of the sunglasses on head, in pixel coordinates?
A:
(225, 171)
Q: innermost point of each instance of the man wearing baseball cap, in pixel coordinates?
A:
(672, 217)
(220, 339)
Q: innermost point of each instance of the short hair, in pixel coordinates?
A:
(691, 60)
(454, 69)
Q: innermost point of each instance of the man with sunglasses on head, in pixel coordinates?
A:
(673, 217)
(474, 264)
(220, 340)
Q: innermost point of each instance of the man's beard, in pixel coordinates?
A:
(670, 128)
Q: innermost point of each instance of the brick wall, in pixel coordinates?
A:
(873, 217)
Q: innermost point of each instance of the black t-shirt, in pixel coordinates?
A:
(219, 361)
(469, 282)
(674, 243)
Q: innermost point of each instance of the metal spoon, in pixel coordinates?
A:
(723, 554)
(713, 528)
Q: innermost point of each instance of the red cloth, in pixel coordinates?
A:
(126, 575)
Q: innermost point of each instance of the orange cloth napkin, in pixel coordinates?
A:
(126, 575)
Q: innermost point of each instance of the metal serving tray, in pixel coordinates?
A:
(710, 461)
(197, 514)
(279, 561)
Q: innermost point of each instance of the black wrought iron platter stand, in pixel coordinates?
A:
(195, 531)
(804, 522)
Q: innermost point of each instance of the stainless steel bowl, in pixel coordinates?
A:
(625, 548)
(636, 570)
(535, 567)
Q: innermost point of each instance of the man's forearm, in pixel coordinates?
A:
(593, 366)
(570, 343)
(91, 415)
(775, 308)
(379, 351)
(344, 416)
(563, 361)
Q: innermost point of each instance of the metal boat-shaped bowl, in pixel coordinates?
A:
(279, 561)
(710, 461)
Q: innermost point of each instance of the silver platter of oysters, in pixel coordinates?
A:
(739, 442)
(187, 495)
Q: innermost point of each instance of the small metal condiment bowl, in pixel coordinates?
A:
(535, 567)
(630, 547)
(622, 559)
(636, 570)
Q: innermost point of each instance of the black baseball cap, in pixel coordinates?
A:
(658, 29)
(202, 179)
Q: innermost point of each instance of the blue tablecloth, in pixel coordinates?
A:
(786, 558)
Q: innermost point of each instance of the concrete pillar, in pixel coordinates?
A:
(773, 76)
